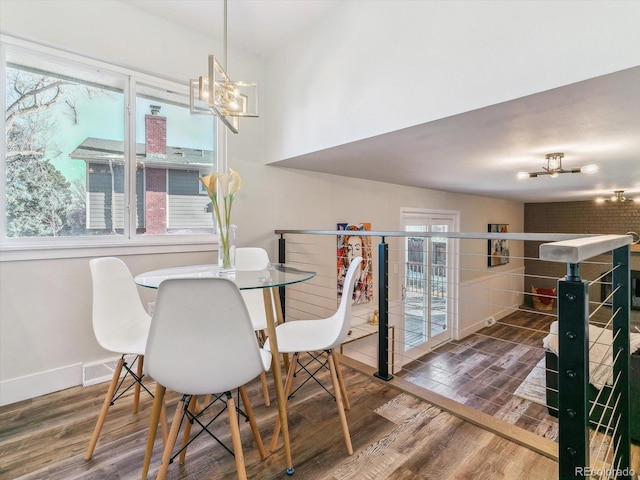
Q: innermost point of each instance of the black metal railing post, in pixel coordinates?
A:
(573, 377)
(383, 307)
(621, 313)
(282, 257)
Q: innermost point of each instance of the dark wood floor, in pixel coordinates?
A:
(395, 436)
(484, 369)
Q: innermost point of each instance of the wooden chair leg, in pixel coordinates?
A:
(136, 389)
(343, 388)
(285, 361)
(158, 406)
(163, 423)
(186, 433)
(171, 441)
(235, 439)
(265, 389)
(288, 388)
(340, 404)
(262, 337)
(252, 421)
(105, 409)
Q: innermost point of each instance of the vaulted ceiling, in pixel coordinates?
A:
(596, 121)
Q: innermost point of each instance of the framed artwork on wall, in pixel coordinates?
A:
(351, 245)
(498, 249)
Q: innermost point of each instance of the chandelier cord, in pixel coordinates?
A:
(224, 39)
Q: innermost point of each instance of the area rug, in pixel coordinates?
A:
(533, 388)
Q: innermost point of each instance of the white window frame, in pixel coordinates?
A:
(82, 246)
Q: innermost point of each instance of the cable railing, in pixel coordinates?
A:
(489, 343)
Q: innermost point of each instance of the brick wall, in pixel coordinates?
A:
(575, 217)
(582, 217)
(155, 135)
(156, 201)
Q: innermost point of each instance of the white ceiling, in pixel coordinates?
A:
(255, 25)
(596, 121)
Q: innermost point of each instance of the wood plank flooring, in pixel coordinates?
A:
(484, 369)
(395, 436)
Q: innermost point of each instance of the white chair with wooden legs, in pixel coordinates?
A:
(202, 341)
(120, 325)
(252, 259)
(320, 337)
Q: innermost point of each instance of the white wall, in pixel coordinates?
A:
(379, 66)
(45, 305)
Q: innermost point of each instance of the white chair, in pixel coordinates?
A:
(323, 336)
(201, 342)
(120, 325)
(251, 259)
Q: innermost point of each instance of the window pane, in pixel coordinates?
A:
(52, 109)
(174, 149)
(67, 173)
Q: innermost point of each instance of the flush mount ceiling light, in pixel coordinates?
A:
(617, 197)
(554, 167)
(216, 94)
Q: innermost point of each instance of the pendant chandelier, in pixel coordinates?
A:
(216, 94)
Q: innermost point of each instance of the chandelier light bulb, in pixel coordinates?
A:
(589, 169)
(522, 175)
(554, 175)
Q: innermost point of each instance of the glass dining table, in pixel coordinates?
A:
(269, 280)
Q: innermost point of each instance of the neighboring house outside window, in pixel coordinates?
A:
(169, 199)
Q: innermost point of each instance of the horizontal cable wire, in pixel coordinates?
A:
(489, 362)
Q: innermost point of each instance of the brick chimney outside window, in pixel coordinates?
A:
(155, 133)
(155, 209)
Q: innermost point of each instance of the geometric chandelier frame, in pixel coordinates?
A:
(216, 94)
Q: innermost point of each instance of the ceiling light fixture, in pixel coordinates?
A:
(216, 94)
(617, 197)
(554, 167)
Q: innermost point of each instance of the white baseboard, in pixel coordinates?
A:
(496, 317)
(465, 332)
(30, 386)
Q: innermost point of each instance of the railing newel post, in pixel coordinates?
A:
(383, 307)
(621, 346)
(282, 249)
(573, 376)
